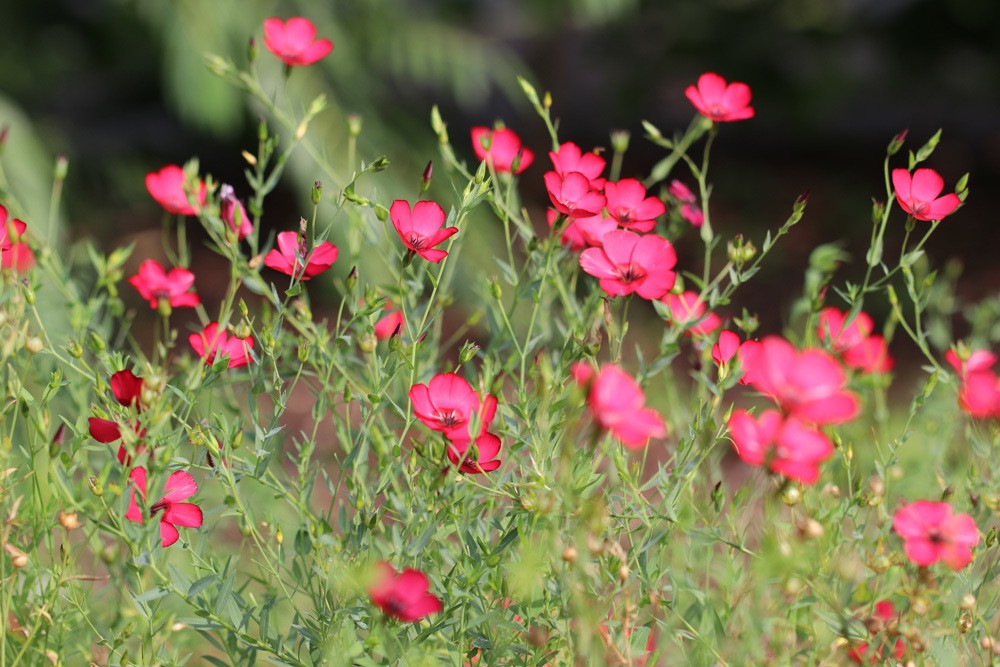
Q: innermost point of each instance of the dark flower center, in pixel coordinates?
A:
(624, 215)
(918, 207)
(935, 537)
(631, 273)
(449, 418)
(417, 242)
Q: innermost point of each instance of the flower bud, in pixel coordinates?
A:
(4, 132)
(897, 143)
(353, 124)
(61, 168)
(316, 195)
(252, 50)
(242, 330)
(96, 487)
(303, 351)
(367, 342)
(96, 343)
(74, 349)
(425, 178)
(279, 537)
(468, 352)
(381, 212)
(352, 279)
(965, 622)
(495, 289)
(33, 344)
(18, 558)
(619, 140)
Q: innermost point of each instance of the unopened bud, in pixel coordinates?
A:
(367, 343)
(425, 178)
(252, 50)
(242, 330)
(75, 349)
(495, 289)
(619, 140)
(352, 278)
(381, 212)
(96, 343)
(896, 143)
(18, 558)
(61, 168)
(96, 487)
(468, 352)
(317, 193)
(380, 164)
(303, 351)
(354, 124)
(279, 537)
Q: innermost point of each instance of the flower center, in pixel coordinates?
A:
(935, 537)
(417, 242)
(631, 273)
(918, 207)
(449, 418)
(624, 215)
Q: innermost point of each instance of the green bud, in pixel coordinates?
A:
(354, 124)
(352, 279)
(96, 487)
(262, 130)
(619, 140)
(896, 143)
(317, 193)
(242, 305)
(29, 296)
(468, 352)
(252, 51)
(381, 164)
(61, 168)
(95, 343)
(163, 307)
(381, 212)
(303, 351)
(425, 178)
(75, 350)
(495, 289)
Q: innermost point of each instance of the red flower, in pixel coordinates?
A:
(629, 205)
(481, 459)
(501, 148)
(233, 213)
(293, 258)
(932, 532)
(885, 613)
(212, 342)
(421, 229)
(13, 253)
(688, 311)
(167, 186)
(787, 446)
(569, 158)
(918, 194)
(447, 403)
(618, 405)
(630, 263)
(9, 233)
(977, 360)
(293, 42)
(180, 486)
(857, 347)
(127, 389)
(807, 384)
(720, 102)
(404, 595)
(390, 324)
(154, 284)
(20, 258)
(573, 194)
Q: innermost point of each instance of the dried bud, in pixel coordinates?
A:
(810, 528)
(68, 520)
(920, 605)
(791, 496)
(569, 554)
(18, 558)
(876, 486)
(252, 50)
(965, 622)
(33, 344)
(623, 573)
(968, 602)
(256, 262)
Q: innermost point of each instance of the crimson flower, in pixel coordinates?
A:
(14, 254)
(720, 102)
(180, 486)
(212, 342)
(573, 194)
(422, 228)
(917, 194)
(156, 285)
(688, 311)
(233, 213)
(788, 447)
(569, 158)
(390, 324)
(975, 361)
(617, 403)
(403, 595)
(20, 258)
(294, 42)
(167, 187)
(932, 531)
(628, 262)
(447, 403)
(807, 384)
(293, 258)
(502, 149)
(629, 205)
(127, 390)
(885, 613)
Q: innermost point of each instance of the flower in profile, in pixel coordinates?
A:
(628, 262)
(156, 285)
(403, 595)
(628, 204)
(294, 42)
(726, 347)
(917, 194)
(932, 531)
(688, 312)
(720, 102)
(233, 213)
(693, 214)
(447, 404)
(569, 158)
(788, 447)
(973, 362)
(853, 341)
(573, 194)
(501, 148)
(885, 617)
(127, 390)
(422, 228)
(14, 254)
(212, 342)
(869, 356)
(293, 258)
(167, 187)
(681, 192)
(390, 324)
(180, 486)
(618, 404)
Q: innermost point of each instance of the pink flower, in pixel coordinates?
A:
(832, 330)
(233, 213)
(156, 285)
(681, 192)
(20, 258)
(630, 263)
(501, 148)
(688, 311)
(573, 194)
(787, 447)
(570, 158)
(180, 486)
(807, 384)
(13, 253)
(869, 356)
(726, 348)
(421, 229)
(693, 214)
(979, 394)
(932, 532)
(390, 324)
(212, 342)
(918, 194)
(447, 404)
(167, 186)
(978, 360)
(885, 613)
(404, 595)
(294, 42)
(720, 102)
(293, 258)
(618, 405)
(628, 204)
(582, 373)
(481, 459)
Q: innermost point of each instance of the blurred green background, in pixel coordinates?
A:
(120, 88)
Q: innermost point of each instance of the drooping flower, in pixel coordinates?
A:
(233, 213)
(389, 324)
(885, 615)
(693, 214)
(212, 341)
(628, 262)
(628, 204)
(618, 405)
(447, 404)
(422, 228)
(932, 531)
(917, 194)
(404, 595)
(573, 194)
(180, 486)
(167, 187)
(720, 102)
(688, 312)
(294, 42)
(502, 148)
(156, 285)
(570, 158)
(293, 258)
(787, 447)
